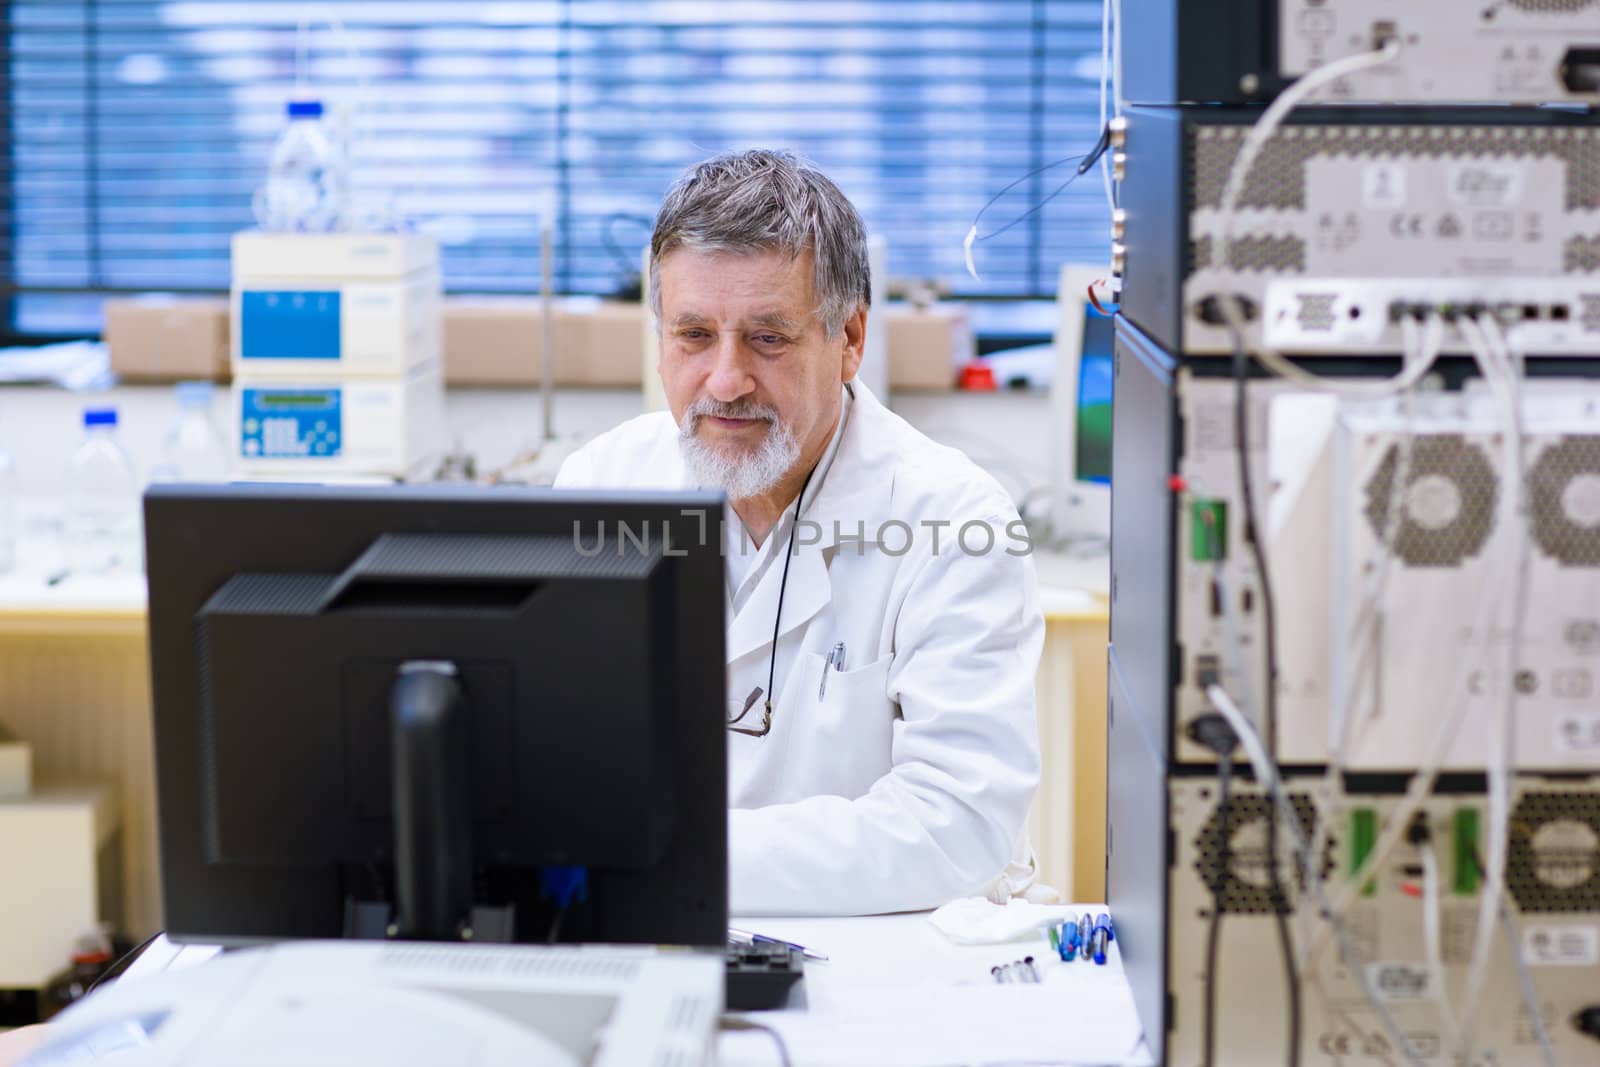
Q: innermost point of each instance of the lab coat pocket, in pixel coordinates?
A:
(844, 724)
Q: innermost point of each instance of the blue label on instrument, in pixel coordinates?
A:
(289, 324)
(290, 423)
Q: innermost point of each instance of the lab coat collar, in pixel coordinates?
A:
(851, 504)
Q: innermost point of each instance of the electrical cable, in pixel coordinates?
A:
(1529, 994)
(1226, 216)
(1083, 163)
(115, 971)
(1418, 347)
(1214, 923)
(1432, 921)
(1501, 377)
(1267, 774)
(737, 1024)
(1106, 50)
(1269, 705)
(1422, 781)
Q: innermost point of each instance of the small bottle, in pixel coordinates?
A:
(103, 529)
(306, 181)
(193, 450)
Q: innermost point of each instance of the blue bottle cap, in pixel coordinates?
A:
(305, 109)
(99, 417)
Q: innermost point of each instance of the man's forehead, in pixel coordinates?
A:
(764, 287)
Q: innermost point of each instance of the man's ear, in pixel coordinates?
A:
(855, 338)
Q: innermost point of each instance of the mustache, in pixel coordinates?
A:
(737, 409)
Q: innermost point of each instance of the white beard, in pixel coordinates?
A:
(741, 476)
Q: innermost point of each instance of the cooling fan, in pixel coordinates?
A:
(1243, 884)
(1446, 506)
(1564, 499)
(1553, 863)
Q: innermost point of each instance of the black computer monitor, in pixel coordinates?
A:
(372, 703)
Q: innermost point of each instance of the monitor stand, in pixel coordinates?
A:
(431, 767)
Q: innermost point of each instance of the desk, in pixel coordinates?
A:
(863, 1006)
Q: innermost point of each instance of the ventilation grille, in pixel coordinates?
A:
(526, 962)
(1447, 505)
(1243, 885)
(1553, 863)
(1581, 254)
(1278, 254)
(600, 549)
(1589, 312)
(1316, 311)
(1278, 178)
(689, 1021)
(1551, 7)
(270, 594)
(1564, 492)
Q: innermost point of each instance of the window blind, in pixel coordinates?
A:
(140, 130)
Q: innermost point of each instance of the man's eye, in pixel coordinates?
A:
(769, 339)
(693, 335)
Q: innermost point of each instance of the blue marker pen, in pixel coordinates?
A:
(1102, 933)
(1104, 919)
(1069, 941)
(1085, 937)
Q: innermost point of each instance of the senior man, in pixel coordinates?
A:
(884, 624)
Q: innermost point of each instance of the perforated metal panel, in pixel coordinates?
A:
(1564, 498)
(1278, 177)
(1553, 864)
(1447, 506)
(1551, 6)
(1243, 883)
(1281, 254)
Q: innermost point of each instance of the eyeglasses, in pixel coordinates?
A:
(772, 659)
(749, 702)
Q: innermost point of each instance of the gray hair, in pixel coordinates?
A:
(759, 200)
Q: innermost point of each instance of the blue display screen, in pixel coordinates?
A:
(1092, 450)
(289, 324)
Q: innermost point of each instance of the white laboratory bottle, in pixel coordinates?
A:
(193, 450)
(103, 535)
(10, 515)
(307, 184)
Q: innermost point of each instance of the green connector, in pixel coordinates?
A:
(1209, 532)
(1363, 835)
(1464, 836)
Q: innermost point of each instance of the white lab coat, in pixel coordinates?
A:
(907, 784)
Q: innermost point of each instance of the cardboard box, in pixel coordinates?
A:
(64, 887)
(609, 343)
(927, 346)
(499, 341)
(164, 338)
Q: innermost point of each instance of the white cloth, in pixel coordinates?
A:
(980, 921)
(905, 784)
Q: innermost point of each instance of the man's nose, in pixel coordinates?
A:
(730, 376)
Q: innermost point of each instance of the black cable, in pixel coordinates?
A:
(113, 972)
(736, 1024)
(555, 926)
(777, 617)
(1241, 433)
(1214, 926)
